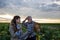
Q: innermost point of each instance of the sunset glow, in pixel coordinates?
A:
(8, 18)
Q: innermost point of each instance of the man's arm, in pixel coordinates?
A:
(24, 22)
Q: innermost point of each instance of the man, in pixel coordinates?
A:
(31, 35)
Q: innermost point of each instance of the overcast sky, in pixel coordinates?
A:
(35, 8)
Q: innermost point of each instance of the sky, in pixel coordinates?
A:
(40, 9)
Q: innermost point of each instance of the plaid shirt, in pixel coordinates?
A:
(30, 28)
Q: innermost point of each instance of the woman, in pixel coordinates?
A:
(16, 29)
(37, 29)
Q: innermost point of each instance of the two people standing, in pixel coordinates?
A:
(16, 32)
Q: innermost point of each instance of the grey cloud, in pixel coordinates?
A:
(2, 3)
(35, 8)
(57, 0)
(51, 7)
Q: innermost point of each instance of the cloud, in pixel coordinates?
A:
(26, 11)
(2, 3)
(51, 7)
(57, 0)
(35, 8)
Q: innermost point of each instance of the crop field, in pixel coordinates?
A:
(47, 31)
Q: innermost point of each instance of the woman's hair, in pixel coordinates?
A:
(13, 22)
(36, 27)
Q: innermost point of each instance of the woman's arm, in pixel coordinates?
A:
(25, 35)
(11, 31)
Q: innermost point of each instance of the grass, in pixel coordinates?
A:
(48, 31)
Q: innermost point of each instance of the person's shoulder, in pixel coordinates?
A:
(10, 25)
(33, 21)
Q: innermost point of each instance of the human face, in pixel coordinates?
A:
(18, 20)
(29, 19)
